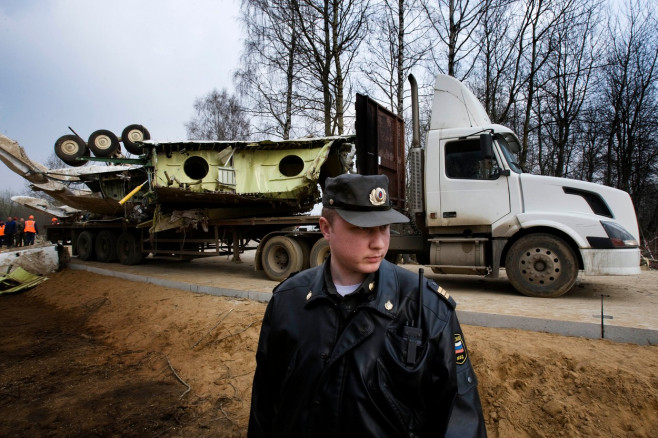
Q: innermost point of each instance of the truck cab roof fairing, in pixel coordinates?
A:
(454, 105)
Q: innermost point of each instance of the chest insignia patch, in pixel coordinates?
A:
(460, 349)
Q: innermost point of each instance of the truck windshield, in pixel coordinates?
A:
(510, 146)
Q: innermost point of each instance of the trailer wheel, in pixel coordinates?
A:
(86, 245)
(282, 256)
(103, 143)
(128, 249)
(132, 134)
(69, 148)
(319, 252)
(105, 246)
(541, 265)
(306, 252)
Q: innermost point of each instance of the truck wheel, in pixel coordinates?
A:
(319, 252)
(86, 245)
(70, 147)
(306, 252)
(132, 134)
(128, 249)
(541, 265)
(103, 143)
(105, 247)
(282, 256)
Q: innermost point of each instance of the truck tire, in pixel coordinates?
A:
(132, 134)
(69, 148)
(85, 245)
(103, 143)
(105, 246)
(282, 256)
(541, 265)
(129, 250)
(319, 252)
(306, 252)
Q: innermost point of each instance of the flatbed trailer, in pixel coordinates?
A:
(283, 244)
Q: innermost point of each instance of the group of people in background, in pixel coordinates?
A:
(16, 233)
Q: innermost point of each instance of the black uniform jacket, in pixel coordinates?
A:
(322, 374)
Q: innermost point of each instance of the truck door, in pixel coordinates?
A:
(473, 191)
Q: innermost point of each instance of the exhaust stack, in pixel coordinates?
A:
(415, 154)
(415, 117)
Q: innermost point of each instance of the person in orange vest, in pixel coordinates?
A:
(30, 230)
(2, 233)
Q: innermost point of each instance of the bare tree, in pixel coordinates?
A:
(565, 84)
(269, 66)
(455, 23)
(331, 32)
(497, 74)
(631, 97)
(218, 116)
(398, 42)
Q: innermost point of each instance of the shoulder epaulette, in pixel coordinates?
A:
(431, 285)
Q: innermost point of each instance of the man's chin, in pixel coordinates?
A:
(370, 267)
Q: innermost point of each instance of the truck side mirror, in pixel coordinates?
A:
(486, 146)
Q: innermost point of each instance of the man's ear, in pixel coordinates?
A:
(325, 227)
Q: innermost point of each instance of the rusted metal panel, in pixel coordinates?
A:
(380, 146)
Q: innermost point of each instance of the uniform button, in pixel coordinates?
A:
(469, 379)
(324, 356)
(316, 402)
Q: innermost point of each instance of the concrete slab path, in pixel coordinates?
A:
(629, 305)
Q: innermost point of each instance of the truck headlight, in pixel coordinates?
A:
(619, 237)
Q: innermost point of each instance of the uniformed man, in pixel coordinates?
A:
(345, 348)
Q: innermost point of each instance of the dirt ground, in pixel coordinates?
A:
(88, 355)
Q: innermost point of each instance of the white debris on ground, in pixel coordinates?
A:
(37, 259)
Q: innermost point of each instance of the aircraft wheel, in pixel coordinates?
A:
(69, 148)
(133, 134)
(103, 143)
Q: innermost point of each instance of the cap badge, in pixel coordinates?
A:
(378, 196)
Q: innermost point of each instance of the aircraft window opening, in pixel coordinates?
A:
(291, 165)
(196, 168)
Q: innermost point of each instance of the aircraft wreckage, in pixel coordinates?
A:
(227, 179)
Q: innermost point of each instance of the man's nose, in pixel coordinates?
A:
(378, 238)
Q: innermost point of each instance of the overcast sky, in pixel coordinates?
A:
(92, 64)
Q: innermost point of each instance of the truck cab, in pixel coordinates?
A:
(480, 211)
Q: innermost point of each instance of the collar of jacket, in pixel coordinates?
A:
(386, 291)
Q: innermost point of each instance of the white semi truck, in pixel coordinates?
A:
(477, 211)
